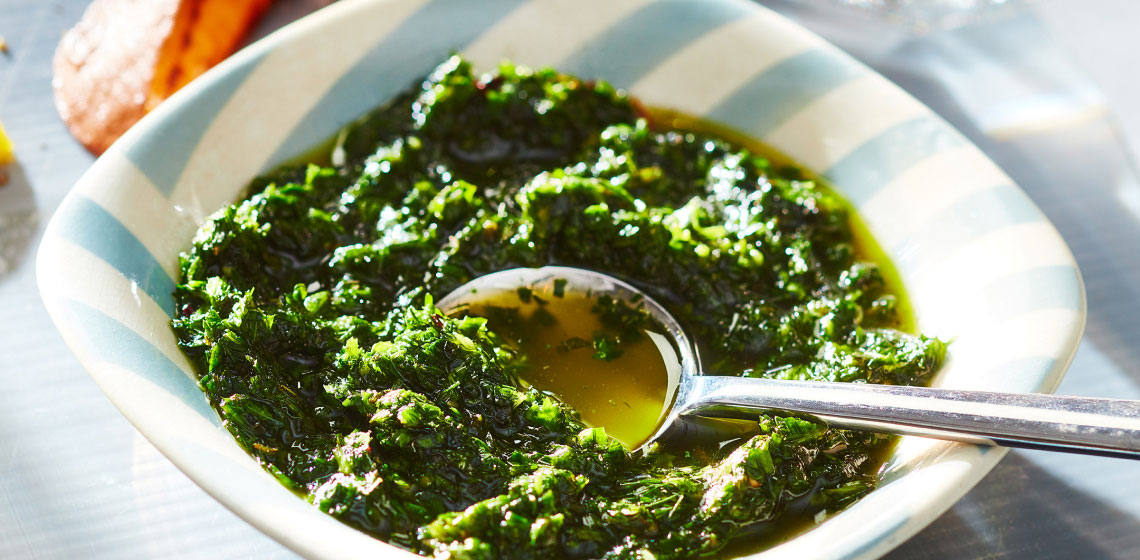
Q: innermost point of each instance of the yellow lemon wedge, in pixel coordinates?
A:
(6, 154)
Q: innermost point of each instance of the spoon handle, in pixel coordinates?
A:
(1092, 426)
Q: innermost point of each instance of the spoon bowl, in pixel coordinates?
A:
(680, 356)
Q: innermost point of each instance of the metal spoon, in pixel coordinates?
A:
(695, 402)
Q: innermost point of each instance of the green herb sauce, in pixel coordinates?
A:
(307, 310)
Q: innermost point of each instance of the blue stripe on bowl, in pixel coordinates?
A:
(391, 66)
(779, 92)
(979, 214)
(634, 46)
(1035, 289)
(161, 152)
(91, 227)
(112, 342)
(868, 168)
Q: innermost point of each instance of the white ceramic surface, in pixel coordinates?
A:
(981, 264)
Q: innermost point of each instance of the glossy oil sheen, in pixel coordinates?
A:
(866, 247)
(623, 394)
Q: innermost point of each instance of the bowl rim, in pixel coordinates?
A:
(872, 544)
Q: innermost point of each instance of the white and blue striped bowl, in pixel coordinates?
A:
(982, 265)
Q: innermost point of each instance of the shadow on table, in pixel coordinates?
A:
(19, 218)
(282, 13)
(1029, 513)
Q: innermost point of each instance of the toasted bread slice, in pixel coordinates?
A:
(124, 57)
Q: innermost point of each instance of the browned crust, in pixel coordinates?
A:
(124, 57)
